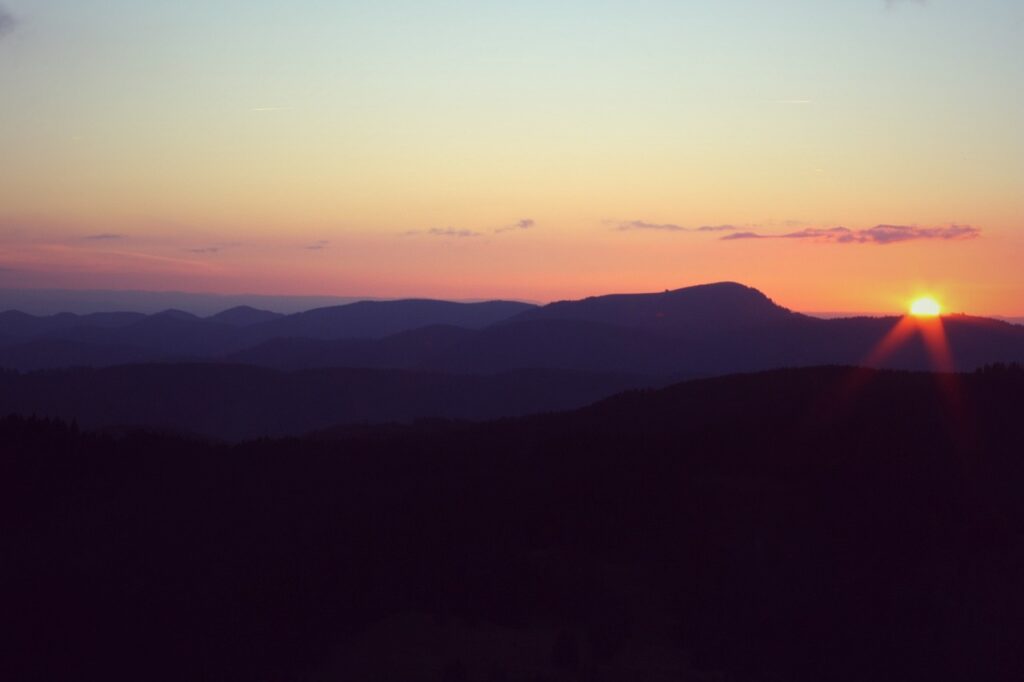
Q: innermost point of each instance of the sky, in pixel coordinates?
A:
(840, 156)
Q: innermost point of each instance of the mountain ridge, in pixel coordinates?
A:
(719, 305)
(710, 329)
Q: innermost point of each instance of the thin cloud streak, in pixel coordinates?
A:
(636, 225)
(215, 248)
(443, 232)
(104, 236)
(879, 234)
(451, 232)
(317, 245)
(524, 224)
(158, 259)
(657, 227)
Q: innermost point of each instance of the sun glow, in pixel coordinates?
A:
(925, 306)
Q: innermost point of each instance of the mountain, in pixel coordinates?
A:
(414, 349)
(697, 331)
(169, 334)
(84, 301)
(697, 309)
(16, 324)
(375, 319)
(817, 524)
(47, 354)
(593, 346)
(176, 335)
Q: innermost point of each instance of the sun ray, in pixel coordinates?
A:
(924, 319)
(936, 342)
(858, 379)
(896, 337)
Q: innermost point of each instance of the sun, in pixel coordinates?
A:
(926, 306)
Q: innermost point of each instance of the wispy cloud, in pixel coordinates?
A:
(266, 109)
(879, 234)
(213, 248)
(319, 245)
(524, 224)
(450, 232)
(7, 22)
(103, 236)
(160, 259)
(658, 227)
(633, 225)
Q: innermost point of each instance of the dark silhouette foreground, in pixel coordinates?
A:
(819, 524)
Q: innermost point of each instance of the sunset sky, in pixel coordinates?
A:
(839, 155)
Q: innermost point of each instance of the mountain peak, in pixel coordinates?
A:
(721, 305)
(175, 314)
(244, 315)
(726, 293)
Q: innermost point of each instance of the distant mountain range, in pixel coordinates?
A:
(65, 340)
(85, 301)
(703, 330)
(437, 358)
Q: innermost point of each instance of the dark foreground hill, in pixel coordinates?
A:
(237, 401)
(818, 524)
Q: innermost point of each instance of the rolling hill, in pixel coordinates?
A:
(812, 524)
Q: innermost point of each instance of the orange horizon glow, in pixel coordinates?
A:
(538, 265)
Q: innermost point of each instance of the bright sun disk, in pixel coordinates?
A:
(926, 306)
